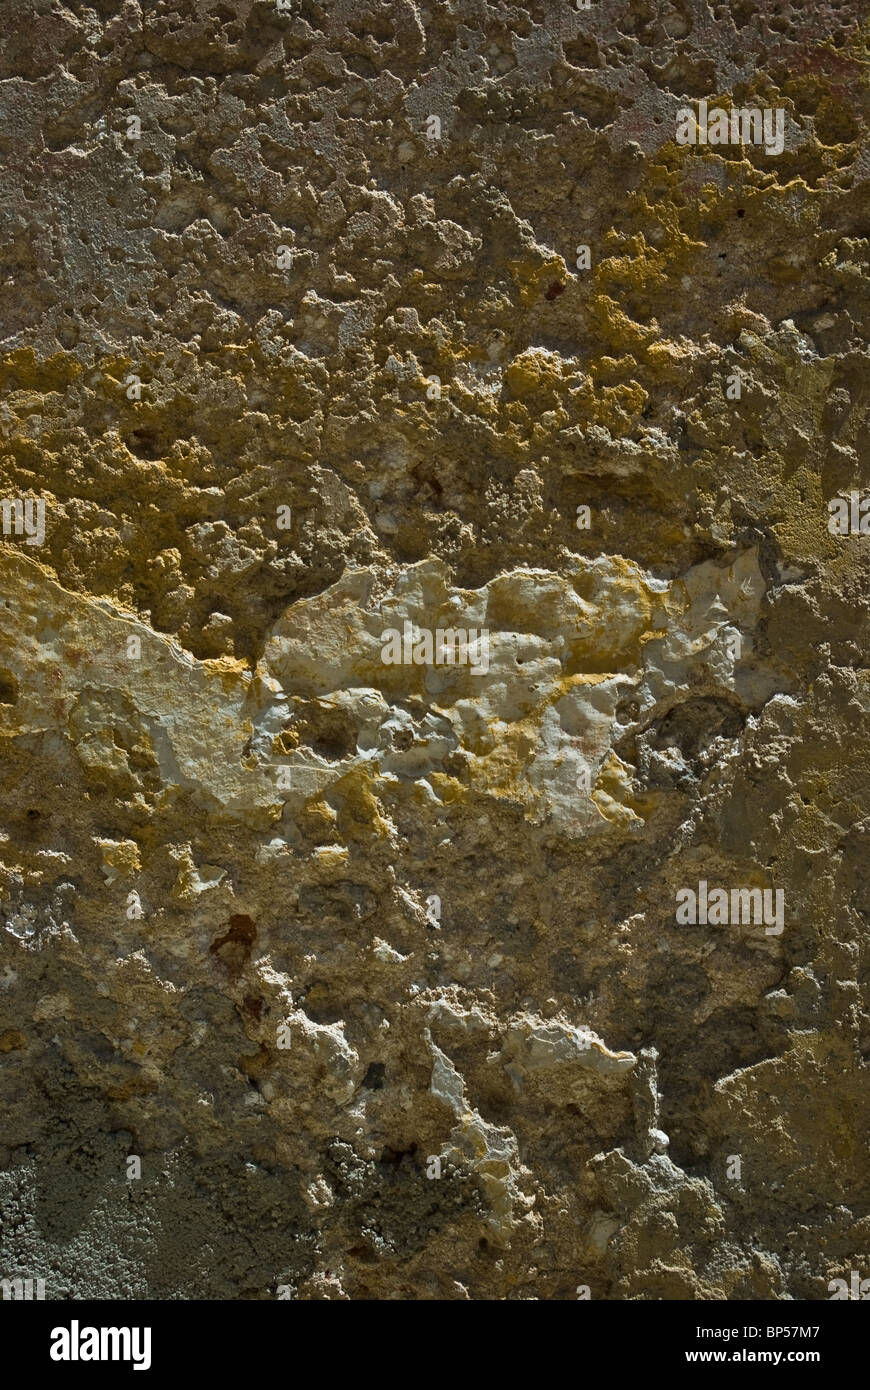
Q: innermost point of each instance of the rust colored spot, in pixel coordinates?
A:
(242, 928)
(555, 290)
(235, 945)
(254, 1006)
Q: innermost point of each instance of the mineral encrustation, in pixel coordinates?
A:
(434, 784)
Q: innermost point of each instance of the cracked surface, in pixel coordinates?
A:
(288, 922)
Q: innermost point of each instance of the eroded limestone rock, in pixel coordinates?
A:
(327, 976)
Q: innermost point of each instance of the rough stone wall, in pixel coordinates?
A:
(377, 966)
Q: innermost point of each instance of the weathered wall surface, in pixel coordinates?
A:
(290, 364)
